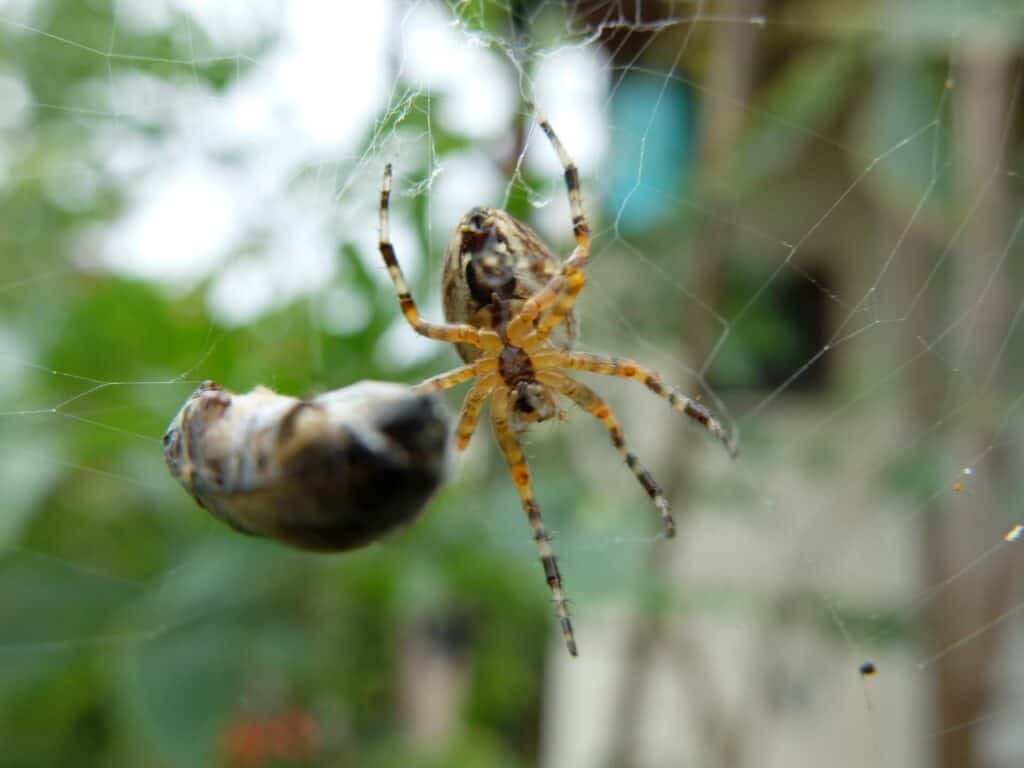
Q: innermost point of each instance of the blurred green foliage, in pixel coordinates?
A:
(134, 629)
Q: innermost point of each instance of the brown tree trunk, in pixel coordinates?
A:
(965, 674)
(650, 642)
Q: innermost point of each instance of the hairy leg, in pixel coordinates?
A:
(557, 297)
(630, 369)
(454, 333)
(471, 409)
(458, 375)
(516, 461)
(592, 403)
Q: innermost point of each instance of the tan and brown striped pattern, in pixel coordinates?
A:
(521, 477)
(554, 303)
(630, 369)
(462, 333)
(594, 404)
(510, 309)
(536, 271)
(459, 375)
(572, 182)
(574, 282)
(471, 407)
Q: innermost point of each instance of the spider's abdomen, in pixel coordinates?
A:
(492, 255)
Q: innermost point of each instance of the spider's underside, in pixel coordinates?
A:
(509, 307)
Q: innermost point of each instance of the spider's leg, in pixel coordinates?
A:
(551, 303)
(630, 369)
(454, 333)
(561, 291)
(580, 228)
(458, 375)
(471, 409)
(592, 403)
(554, 317)
(516, 461)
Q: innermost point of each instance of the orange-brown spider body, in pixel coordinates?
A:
(509, 306)
(495, 263)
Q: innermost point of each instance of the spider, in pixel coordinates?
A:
(509, 311)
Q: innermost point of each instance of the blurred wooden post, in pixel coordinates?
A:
(983, 99)
(727, 82)
(433, 680)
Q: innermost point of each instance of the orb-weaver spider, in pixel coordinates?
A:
(509, 307)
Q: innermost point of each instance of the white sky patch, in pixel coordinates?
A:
(231, 25)
(143, 17)
(248, 172)
(344, 311)
(19, 11)
(332, 68)
(470, 178)
(478, 88)
(181, 226)
(15, 100)
(13, 350)
(298, 262)
(236, 171)
(481, 105)
(571, 86)
(242, 291)
(430, 47)
(172, 103)
(400, 346)
(25, 479)
(72, 187)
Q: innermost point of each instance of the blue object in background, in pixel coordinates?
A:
(649, 165)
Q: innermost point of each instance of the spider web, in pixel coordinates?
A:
(807, 214)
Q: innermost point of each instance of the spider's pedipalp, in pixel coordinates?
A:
(462, 333)
(471, 409)
(517, 466)
(630, 369)
(594, 404)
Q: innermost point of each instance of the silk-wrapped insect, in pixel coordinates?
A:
(329, 473)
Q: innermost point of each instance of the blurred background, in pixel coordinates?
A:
(807, 214)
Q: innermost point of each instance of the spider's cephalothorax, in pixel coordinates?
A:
(530, 401)
(509, 306)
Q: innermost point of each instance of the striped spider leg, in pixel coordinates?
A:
(509, 306)
(491, 363)
(460, 333)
